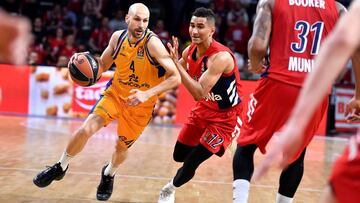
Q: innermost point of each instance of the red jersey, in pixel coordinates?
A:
(299, 27)
(226, 92)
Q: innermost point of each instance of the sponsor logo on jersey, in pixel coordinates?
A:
(140, 52)
(213, 97)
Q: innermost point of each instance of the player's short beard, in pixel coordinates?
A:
(134, 34)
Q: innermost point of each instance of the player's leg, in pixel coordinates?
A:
(191, 163)
(101, 114)
(185, 173)
(243, 168)
(131, 123)
(91, 125)
(56, 172)
(187, 140)
(214, 140)
(181, 151)
(290, 179)
(186, 147)
(106, 185)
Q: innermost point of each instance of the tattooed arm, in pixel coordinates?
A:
(259, 40)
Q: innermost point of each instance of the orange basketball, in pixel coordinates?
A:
(85, 70)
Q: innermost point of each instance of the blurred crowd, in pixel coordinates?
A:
(61, 28)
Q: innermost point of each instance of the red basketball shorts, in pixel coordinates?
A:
(213, 129)
(269, 108)
(345, 176)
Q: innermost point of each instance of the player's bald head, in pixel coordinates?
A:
(138, 8)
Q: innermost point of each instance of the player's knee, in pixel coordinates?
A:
(243, 162)
(181, 151)
(92, 124)
(299, 162)
(82, 133)
(178, 157)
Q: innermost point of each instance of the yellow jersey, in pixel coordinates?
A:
(135, 68)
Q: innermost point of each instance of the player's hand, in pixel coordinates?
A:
(257, 69)
(173, 49)
(352, 110)
(137, 96)
(76, 55)
(281, 151)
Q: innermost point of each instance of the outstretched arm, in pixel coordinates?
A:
(333, 55)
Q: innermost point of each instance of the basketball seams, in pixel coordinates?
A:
(88, 71)
(85, 70)
(95, 68)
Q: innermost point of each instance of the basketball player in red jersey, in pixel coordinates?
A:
(209, 72)
(292, 30)
(144, 69)
(342, 43)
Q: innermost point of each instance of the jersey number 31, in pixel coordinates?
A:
(304, 29)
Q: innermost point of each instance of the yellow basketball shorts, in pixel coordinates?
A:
(131, 120)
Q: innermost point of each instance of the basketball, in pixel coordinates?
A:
(85, 70)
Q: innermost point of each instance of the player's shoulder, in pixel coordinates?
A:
(153, 41)
(118, 33)
(222, 58)
(154, 45)
(152, 38)
(222, 55)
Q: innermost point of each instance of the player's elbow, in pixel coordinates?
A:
(175, 80)
(199, 95)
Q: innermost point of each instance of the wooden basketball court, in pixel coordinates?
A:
(29, 144)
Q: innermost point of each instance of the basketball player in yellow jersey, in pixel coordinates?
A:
(143, 70)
